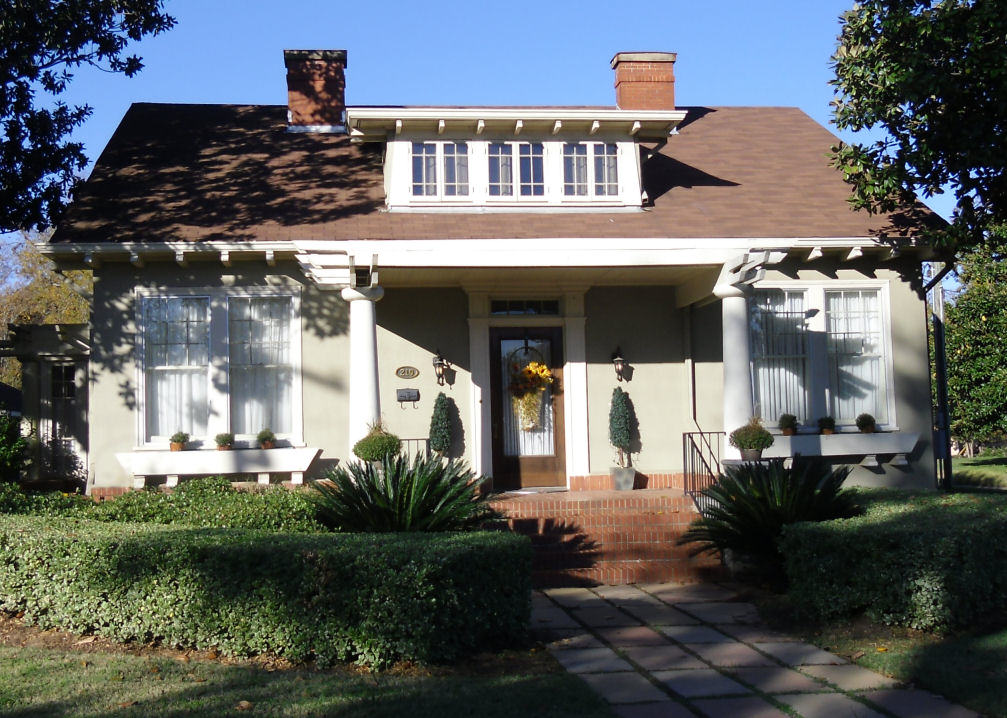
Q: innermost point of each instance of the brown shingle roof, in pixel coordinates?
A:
(225, 172)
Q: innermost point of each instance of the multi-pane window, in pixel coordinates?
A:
(64, 384)
(456, 169)
(524, 307)
(857, 366)
(606, 169)
(574, 169)
(501, 169)
(779, 345)
(260, 372)
(176, 361)
(532, 172)
(424, 169)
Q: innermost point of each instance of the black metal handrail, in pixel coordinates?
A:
(701, 451)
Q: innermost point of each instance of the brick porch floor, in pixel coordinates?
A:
(587, 538)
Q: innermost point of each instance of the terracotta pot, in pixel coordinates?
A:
(224, 447)
(267, 445)
(751, 454)
(867, 430)
(789, 432)
(828, 431)
(177, 445)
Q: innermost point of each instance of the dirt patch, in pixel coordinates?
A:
(531, 658)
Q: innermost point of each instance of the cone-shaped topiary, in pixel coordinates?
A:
(440, 425)
(621, 425)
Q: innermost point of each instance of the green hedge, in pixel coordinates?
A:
(924, 560)
(374, 598)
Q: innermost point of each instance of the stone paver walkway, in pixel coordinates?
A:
(674, 651)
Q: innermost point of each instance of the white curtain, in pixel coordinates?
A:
(176, 340)
(501, 161)
(606, 169)
(540, 441)
(779, 354)
(574, 169)
(261, 375)
(857, 374)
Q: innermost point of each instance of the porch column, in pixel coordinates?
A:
(365, 405)
(738, 405)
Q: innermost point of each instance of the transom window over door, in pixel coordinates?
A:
(176, 344)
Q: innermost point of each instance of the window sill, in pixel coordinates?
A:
(842, 444)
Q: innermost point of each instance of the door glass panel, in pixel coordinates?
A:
(527, 402)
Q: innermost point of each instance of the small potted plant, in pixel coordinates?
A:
(266, 439)
(827, 425)
(751, 439)
(178, 441)
(378, 443)
(225, 442)
(866, 424)
(622, 424)
(788, 424)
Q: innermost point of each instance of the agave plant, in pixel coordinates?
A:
(424, 494)
(751, 503)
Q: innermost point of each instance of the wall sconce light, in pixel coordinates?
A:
(440, 367)
(619, 363)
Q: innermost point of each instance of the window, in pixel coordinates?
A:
(819, 351)
(501, 169)
(574, 169)
(532, 174)
(219, 361)
(454, 161)
(604, 169)
(524, 307)
(456, 169)
(64, 385)
(424, 169)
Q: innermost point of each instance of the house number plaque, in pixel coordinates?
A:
(407, 372)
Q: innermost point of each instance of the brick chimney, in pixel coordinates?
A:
(644, 80)
(316, 89)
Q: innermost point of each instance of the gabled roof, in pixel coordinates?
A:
(234, 172)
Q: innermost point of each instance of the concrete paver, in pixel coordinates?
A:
(551, 618)
(695, 634)
(799, 654)
(827, 705)
(632, 636)
(700, 682)
(730, 654)
(571, 597)
(850, 677)
(653, 710)
(750, 633)
(624, 688)
(570, 638)
(775, 679)
(590, 660)
(722, 612)
(616, 594)
(689, 592)
(602, 616)
(749, 707)
(907, 703)
(660, 614)
(660, 658)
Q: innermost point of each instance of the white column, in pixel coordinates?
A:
(738, 405)
(365, 404)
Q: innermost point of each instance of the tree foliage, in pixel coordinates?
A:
(33, 292)
(976, 342)
(933, 75)
(43, 41)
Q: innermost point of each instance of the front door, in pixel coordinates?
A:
(528, 445)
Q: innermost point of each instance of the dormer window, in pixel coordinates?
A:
(453, 158)
(531, 169)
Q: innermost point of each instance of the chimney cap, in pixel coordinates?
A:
(643, 57)
(290, 56)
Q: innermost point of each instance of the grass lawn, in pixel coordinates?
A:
(980, 471)
(56, 680)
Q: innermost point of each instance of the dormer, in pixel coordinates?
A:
(523, 158)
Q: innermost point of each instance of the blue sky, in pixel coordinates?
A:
(730, 52)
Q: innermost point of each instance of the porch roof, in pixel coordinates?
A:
(199, 173)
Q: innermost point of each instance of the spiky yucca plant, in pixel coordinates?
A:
(424, 494)
(752, 502)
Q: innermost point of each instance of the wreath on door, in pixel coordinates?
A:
(530, 376)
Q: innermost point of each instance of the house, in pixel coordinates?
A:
(304, 268)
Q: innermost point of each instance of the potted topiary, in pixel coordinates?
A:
(378, 443)
(866, 424)
(440, 426)
(178, 441)
(266, 439)
(622, 424)
(788, 424)
(827, 425)
(225, 442)
(751, 439)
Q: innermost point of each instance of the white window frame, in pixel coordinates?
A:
(440, 182)
(818, 358)
(591, 181)
(218, 378)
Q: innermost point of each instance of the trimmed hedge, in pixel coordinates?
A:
(924, 560)
(374, 598)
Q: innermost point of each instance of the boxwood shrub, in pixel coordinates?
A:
(923, 560)
(372, 598)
